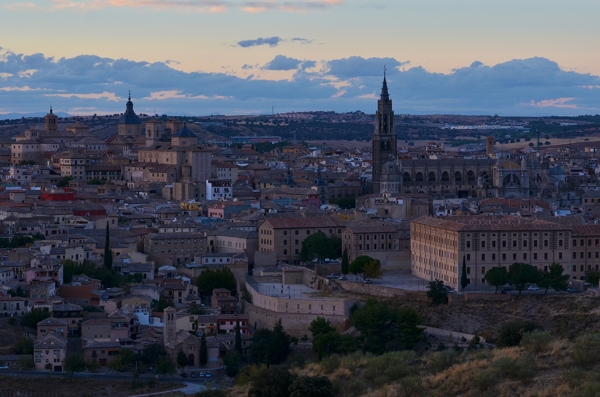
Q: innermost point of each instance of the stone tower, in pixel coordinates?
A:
(384, 138)
(170, 319)
(51, 121)
(489, 146)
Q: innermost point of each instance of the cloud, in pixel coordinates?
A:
(534, 86)
(301, 40)
(270, 41)
(281, 62)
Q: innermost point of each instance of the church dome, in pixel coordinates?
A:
(129, 117)
(185, 132)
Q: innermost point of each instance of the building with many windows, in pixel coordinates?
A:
(438, 246)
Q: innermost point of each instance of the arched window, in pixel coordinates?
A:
(419, 177)
(406, 177)
(471, 177)
(445, 177)
(458, 176)
(431, 177)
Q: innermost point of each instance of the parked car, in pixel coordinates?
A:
(183, 375)
(333, 275)
(504, 290)
(571, 290)
(208, 374)
(367, 281)
(343, 278)
(194, 374)
(532, 288)
(201, 375)
(449, 289)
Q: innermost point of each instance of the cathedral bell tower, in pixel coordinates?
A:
(384, 139)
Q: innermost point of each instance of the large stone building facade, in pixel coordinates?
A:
(438, 246)
(474, 177)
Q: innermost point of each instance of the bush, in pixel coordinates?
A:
(519, 369)
(389, 368)
(536, 341)
(442, 360)
(484, 380)
(331, 363)
(591, 389)
(586, 350)
(411, 386)
(511, 332)
(308, 386)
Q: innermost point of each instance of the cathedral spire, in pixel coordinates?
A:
(384, 89)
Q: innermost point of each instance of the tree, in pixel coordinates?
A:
(373, 269)
(219, 278)
(233, 363)
(358, 265)
(521, 274)
(497, 277)
(593, 277)
(319, 246)
(464, 281)
(309, 386)
(181, 359)
(24, 346)
(108, 259)
(332, 342)
(384, 328)
(74, 363)
(271, 347)
(127, 356)
(554, 278)
(437, 293)
(161, 304)
(203, 350)
(26, 362)
(117, 365)
(345, 262)
(36, 315)
(152, 353)
(271, 382)
(320, 326)
(164, 365)
(64, 182)
(238, 337)
(511, 332)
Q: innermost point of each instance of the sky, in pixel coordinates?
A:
(203, 57)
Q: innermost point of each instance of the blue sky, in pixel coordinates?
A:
(201, 57)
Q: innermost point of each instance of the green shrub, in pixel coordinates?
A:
(411, 386)
(591, 389)
(389, 368)
(519, 369)
(512, 332)
(536, 341)
(484, 380)
(586, 350)
(442, 360)
(573, 376)
(356, 387)
(331, 363)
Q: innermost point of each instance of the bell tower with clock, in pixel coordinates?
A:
(384, 140)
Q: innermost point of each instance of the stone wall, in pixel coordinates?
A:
(265, 258)
(293, 323)
(371, 289)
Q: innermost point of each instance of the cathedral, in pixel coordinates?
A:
(456, 176)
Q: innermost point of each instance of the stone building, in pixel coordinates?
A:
(384, 141)
(387, 242)
(180, 340)
(174, 248)
(438, 246)
(585, 250)
(50, 352)
(129, 123)
(284, 235)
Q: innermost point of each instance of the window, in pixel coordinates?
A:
(483, 244)
(482, 257)
(524, 243)
(545, 243)
(468, 270)
(574, 255)
(534, 255)
(524, 256)
(514, 243)
(285, 232)
(493, 244)
(560, 255)
(546, 255)
(574, 243)
(503, 243)
(493, 257)
(514, 257)
(468, 257)
(468, 244)
(503, 257)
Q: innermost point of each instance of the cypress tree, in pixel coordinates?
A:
(345, 262)
(238, 337)
(203, 350)
(463, 279)
(108, 259)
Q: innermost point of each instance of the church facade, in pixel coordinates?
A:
(473, 177)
